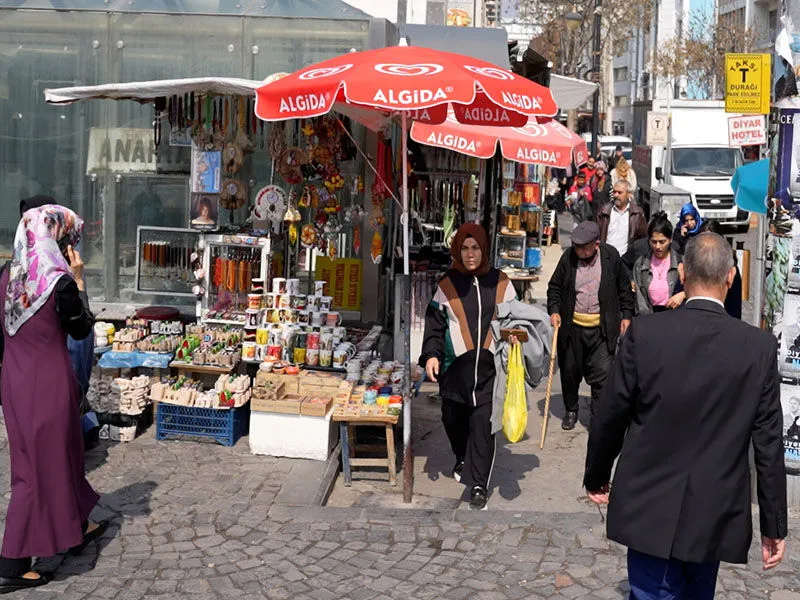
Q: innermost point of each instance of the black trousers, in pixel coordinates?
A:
(583, 354)
(14, 567)
(469, 430)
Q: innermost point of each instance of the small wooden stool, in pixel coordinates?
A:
(347, 436)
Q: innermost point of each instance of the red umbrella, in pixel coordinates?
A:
(407, 78)
(547, 142)
(419, 83)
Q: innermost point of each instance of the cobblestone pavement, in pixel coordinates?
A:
(200, 521)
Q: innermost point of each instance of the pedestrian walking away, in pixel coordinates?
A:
(622, 222)
(458, 351)
(681, 409)
(655, 275)
(590, 298)
(733, 300)
(44, 301)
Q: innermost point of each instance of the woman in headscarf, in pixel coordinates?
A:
(621, 171)
(44, 302)
(689, 224)
(458, 353)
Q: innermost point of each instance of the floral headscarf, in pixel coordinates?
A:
(37, 263)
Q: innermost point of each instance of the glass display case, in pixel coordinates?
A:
(164, 261)
(510, 251)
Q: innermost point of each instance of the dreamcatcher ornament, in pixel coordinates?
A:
(308, 236)
(270, 205)
(232, 158)
(290, 164)
(232, 194)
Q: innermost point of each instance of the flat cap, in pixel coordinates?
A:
(585, 233)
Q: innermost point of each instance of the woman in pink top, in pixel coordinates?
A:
(655, 275)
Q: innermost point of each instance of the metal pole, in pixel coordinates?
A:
(758, 275)
(668, 157)
(596, 76)
(408, 454)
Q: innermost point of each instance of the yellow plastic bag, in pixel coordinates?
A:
(515, 405)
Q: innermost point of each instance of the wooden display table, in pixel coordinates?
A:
(347, 425)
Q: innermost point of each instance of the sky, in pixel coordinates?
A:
(701, 5)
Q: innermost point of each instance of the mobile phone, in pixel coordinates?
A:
(63, 245)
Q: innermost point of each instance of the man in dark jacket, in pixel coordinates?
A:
(590, 298)
(622, 222)
(683, 403)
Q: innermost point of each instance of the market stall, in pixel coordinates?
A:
(273, 270)
(528, 153)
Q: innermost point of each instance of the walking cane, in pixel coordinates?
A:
(549, 386)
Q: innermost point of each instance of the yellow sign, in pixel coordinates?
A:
(344, 281)
(747, 83)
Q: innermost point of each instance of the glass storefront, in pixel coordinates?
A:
(44, 149)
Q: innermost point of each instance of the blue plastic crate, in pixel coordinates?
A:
(225, 426)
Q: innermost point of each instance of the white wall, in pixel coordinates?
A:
(380, 9)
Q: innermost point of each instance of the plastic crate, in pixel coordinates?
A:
(225, 426)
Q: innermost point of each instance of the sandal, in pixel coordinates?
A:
(14, 584)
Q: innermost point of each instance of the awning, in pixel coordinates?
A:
(148, 91)
(570, 93)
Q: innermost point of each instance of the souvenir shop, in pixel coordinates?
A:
(273, 267)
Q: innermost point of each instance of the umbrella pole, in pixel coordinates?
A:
(408, 455)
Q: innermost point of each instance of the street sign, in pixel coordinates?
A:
(657, 126)
(748, 130)
(747, 83)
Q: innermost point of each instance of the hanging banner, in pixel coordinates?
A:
(344, 277)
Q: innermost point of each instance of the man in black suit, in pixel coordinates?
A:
(689, 391)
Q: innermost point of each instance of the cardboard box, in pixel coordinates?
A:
(316, 407)
(262, 405)
(290, 404)
(322, 379)
(291, 382)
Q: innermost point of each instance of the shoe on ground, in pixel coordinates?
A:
(458, 469)
(15, 584)
(90, 536)
(569, 421)
(478, 498)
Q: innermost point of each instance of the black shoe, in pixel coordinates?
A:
(14, 584)
(569, 420)
(458, 469)
(478, 498)
(89, 537)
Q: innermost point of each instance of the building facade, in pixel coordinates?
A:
(759, 15)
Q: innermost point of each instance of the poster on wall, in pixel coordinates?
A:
(789, 356)
(204, 212)
(344, 276)
(206, 169)
(790, 407)
(460, 13)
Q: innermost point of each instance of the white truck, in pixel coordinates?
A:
(702, 160)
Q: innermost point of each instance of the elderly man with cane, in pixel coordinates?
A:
(590, 298)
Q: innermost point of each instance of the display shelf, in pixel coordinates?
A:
(224, 322)
(206, 369)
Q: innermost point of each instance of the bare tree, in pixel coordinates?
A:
(699, 56)
(571, 51)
